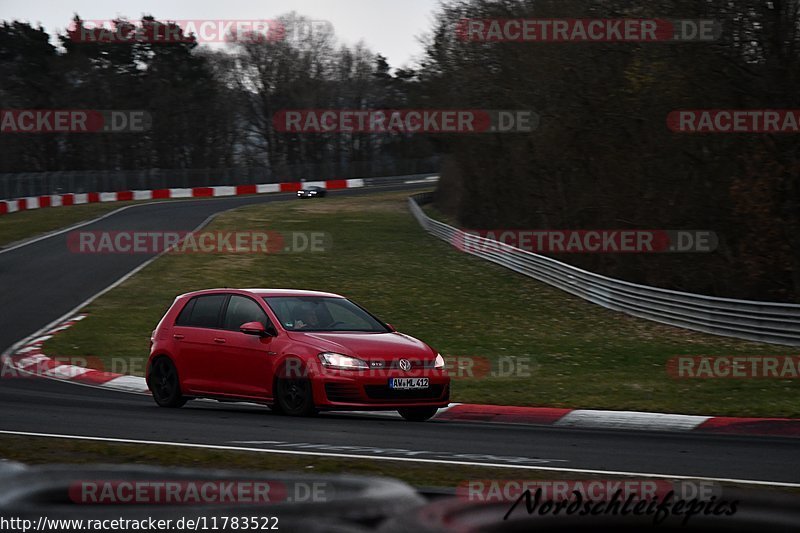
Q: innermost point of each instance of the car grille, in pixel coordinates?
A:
(337, 392)
(395, 364)
(383, 392)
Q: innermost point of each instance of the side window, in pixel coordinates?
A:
(242, 310)
(205, 311)
(185, 314)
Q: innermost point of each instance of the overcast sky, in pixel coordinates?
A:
(389, 27)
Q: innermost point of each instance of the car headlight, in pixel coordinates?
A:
(341, 362)
(439, 361)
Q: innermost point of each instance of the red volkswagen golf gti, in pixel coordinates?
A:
(297, 351)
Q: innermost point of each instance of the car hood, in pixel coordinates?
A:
(382, 346)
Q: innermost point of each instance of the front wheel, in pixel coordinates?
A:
(294, 397)
(417, 414)
(164, 384)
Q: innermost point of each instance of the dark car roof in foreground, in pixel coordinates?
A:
(267, 292)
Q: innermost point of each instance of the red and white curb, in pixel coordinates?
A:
(630, 420)
(29, 360)
(57, 200)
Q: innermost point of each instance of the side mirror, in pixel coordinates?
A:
(257, 328)
(391, 327)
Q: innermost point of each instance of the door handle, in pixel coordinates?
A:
(219, 340)
(177, 337)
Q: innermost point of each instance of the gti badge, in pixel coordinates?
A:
(405, 365)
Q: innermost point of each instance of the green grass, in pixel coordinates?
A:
(26, 224)
(579, 354)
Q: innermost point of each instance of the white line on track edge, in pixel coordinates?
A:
(92, 298)
(400, 459)
(25, 242)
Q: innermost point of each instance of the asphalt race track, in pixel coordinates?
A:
(46, 406)
(43, 281)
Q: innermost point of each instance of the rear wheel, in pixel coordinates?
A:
(293, 396)
(417, 414)
(164, 384)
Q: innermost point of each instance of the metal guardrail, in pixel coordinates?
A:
(430, 177)
(771, 322)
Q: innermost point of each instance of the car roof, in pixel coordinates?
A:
(265, 292)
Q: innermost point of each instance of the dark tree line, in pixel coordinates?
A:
(210, 108)
(602, 156)
(193, 126)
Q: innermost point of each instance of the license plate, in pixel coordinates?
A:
(408, 383)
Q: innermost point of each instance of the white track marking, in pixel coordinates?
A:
(32, 240)
(127, 384)
(65, 372)
(596, 419)
(402, 459)
(120, 281)
(136, 197)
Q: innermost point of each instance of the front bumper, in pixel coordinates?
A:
(354, 390)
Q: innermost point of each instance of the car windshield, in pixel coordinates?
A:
(322, 313)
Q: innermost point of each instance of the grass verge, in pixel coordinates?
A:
(46, 450)
(43, 450)
(544, 347)
(27, 224)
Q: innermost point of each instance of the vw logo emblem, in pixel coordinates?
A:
(405, 365)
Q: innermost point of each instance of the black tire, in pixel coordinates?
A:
(294, 397)
(164, 384)
(417, 414)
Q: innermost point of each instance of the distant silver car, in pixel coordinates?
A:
(312, 192)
